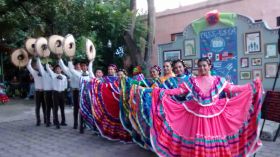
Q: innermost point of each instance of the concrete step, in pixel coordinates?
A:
(269, 130)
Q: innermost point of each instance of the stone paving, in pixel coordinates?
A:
(19, 137)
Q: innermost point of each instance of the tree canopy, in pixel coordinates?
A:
(98, 20)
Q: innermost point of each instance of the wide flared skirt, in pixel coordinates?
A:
(228, 127)
(143, 115)
(105, 109)
(86, 103)
(136, 119)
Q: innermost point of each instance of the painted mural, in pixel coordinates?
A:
(220, 46)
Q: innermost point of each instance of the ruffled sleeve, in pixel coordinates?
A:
(177, 91)
(234, 89)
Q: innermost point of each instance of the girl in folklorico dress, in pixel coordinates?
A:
(205, 124)
(181, 72)
(145, 100)
(167, 70)
(105, 106)
(126, 105)
(133, 108)
(137, 109)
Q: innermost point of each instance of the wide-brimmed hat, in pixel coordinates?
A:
(69, 45)
(55, 44)
(41, 47)
(19, 57)
(90, 50)
(30, 45)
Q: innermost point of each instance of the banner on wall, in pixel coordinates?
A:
(220, 46)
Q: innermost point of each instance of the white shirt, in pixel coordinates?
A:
(37, 76)
(79, 74)
(47, 80)
(74, 80)
(59, 80)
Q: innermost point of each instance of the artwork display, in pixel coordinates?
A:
(189, 47)
(244, 62)
(252, 42)
(271, 50)
(172, 55)
(188, 63)
(256, 61)
(195, 72)
(245, 75)
(220, 46)
(271, 70)
(257, 73)
(195, 61)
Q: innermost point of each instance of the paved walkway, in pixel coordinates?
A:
(19, 137)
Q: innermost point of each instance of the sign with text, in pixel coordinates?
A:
(221, 47)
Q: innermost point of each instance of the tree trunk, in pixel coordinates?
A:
(133, 51)
(151, 33)
(133, 19)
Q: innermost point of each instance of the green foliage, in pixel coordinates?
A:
(93, 19)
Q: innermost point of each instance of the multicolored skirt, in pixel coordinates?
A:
(135, 118)
(226, 128)
(143, 115)
(127, 120)
(105, 109)
(86, 103)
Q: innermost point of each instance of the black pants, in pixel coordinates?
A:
(58, 98)
(39, 99)
(76, 100)
(76, 106)
(49, 104)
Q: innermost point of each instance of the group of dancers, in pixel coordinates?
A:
(177, 114)
(50, 85)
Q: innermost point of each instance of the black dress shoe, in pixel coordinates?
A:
(81, 129)
(38, 123)
(63, 124)
(75, 127)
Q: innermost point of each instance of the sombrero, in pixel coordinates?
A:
(69, 45)
(55, 44)
(41, 47)
(19, 57)
(90, 50)
(30, 45)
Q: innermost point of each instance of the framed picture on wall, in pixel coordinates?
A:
(270, 70)
(245, 75)
(244, 62)
(257, 73)
(252, 42)
(188, 63)
(256, 61)
(195, 72)
(172, 55)
(189, 47)
(195, 61)
(271, 50)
